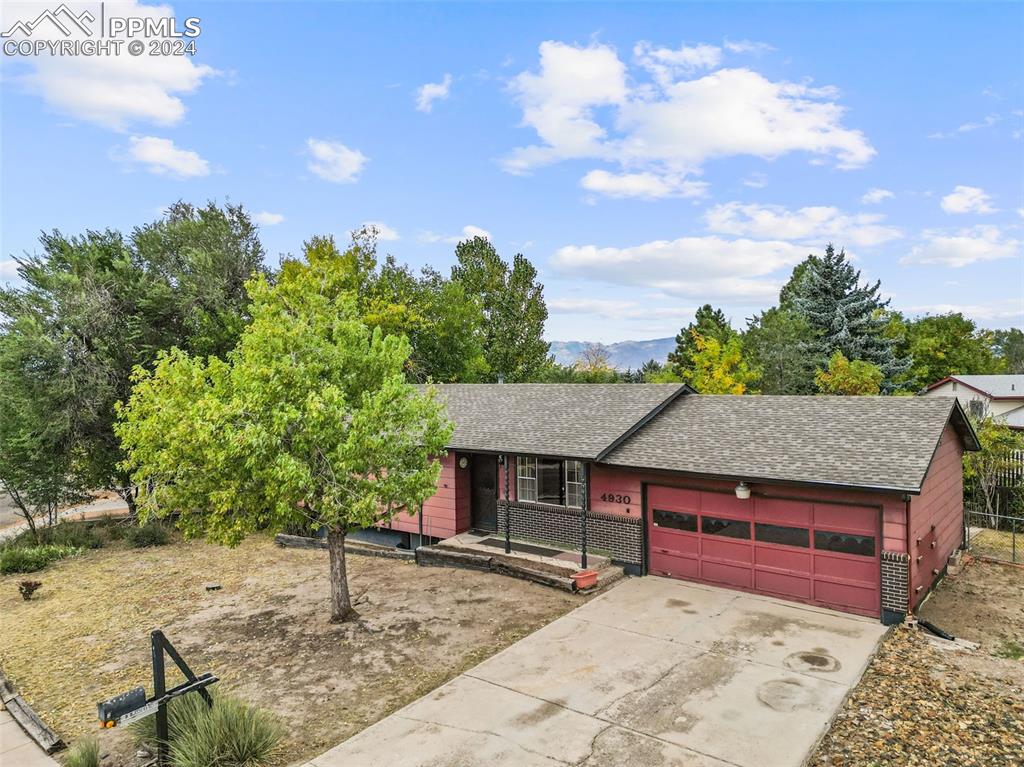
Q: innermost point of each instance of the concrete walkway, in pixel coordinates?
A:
(101, 507)
(17, 749)
(655, 673)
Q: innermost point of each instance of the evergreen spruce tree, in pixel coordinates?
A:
(845, 315)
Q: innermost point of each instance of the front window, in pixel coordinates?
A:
(550, 481)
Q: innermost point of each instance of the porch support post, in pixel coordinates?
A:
(583, 515)
(420, 522)
(508, 509)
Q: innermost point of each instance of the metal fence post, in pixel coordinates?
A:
(159, 689)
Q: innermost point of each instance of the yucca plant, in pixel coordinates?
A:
(231, 734)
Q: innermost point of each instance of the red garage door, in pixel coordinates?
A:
(822, 553)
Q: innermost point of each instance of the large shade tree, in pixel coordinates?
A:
(942, 345)
(309, 420)
(96, 305)
(512, 301)
(775, 343)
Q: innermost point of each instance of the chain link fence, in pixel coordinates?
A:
(994, 526)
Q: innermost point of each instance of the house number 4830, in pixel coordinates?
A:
(612, 498)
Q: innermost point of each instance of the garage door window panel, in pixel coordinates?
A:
(782, 535)
(726, 528)
(844, 543)
(675, 520)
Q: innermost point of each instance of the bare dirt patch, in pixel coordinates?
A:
(919, 705)
(265, 633)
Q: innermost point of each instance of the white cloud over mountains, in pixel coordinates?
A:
(585, 103)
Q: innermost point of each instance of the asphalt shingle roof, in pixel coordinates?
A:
(870, 442)
(569, 420)
(1005, 385)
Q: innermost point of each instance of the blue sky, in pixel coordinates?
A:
(647, 158)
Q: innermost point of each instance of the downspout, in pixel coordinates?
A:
(911, 562)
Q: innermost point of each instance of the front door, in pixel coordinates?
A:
(485, 492)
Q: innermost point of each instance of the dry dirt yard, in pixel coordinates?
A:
(918, 705)
(266, 633)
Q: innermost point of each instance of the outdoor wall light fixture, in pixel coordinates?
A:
(743, 491)
(463, 462)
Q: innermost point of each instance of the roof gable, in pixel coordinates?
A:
(994, 386)
(584, 421)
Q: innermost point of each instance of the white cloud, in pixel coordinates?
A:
(875, 195)
(967, 199)
(584, 104)
(468, 232)
(994, 311)
(816, 223)
(968, 127)
(747, 46)
(756, 180)
(428, 93)
(967, 246)
(384, 232)
(333, 161)
(8, 269)
(702, 267)
(162, 157)
(266, 218)
(643, 185)
(667, 64)
(617, 310)
(112, 91)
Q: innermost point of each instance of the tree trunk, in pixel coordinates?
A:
(341, 602)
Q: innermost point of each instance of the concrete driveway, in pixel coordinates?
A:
(654, 672)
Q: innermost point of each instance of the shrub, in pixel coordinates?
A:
(28, 588)
(30, 559)
(231, 734)
(78, 534)
(85, 753)
(150, 534)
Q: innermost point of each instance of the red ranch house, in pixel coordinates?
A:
(853, 503)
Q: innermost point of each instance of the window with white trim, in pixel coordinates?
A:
(549, 481)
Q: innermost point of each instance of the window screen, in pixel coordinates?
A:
(526, 479)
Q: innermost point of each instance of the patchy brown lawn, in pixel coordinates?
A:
(919, 705)
(266, 633)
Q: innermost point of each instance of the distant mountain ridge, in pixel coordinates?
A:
(622, 355)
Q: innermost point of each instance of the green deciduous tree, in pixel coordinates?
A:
(1001, 447)
(717, 367)
(1009, 345)
(513, 308)
(943, 345)
(105, 303)
(708, 323)
(848, 377)
(775, 343)
(309, 420)
(844, 315)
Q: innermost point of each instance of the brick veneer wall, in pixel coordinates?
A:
(623, 536)
(895, 585)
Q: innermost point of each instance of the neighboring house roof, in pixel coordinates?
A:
(582, 421)
(879, 443)
(1014, 419)
(994, 386)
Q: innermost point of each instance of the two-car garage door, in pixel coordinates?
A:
(822, 553)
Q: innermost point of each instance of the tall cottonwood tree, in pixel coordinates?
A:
(512, 301)
(308, 421)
